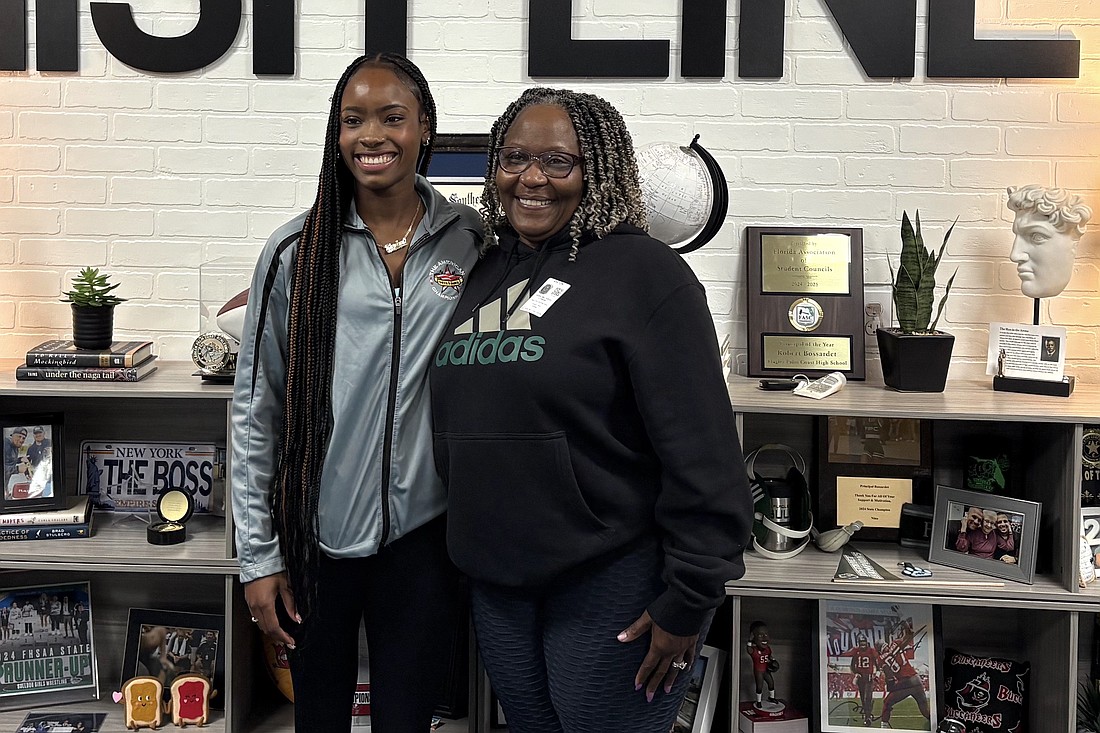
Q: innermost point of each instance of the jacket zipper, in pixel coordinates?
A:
(396, 290)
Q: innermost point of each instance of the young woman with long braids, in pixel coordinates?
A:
(597, 496)
(335, 496)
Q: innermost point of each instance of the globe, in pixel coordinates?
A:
(684, 192)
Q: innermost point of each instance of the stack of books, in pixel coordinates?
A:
(124, 361)
(73, 521)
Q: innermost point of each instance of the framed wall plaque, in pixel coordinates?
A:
(867, 467)
(805, 301)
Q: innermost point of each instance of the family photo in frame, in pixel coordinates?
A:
(167, 644)
(985, 533)
(877, 665)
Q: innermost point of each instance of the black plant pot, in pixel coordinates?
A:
(93, 326)
(914, 362)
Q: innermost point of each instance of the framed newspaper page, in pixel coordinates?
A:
(47, 651)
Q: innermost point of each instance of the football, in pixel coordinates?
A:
(230, 317)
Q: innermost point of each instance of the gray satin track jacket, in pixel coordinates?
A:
(370, 496)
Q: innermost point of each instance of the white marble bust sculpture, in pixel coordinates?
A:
(1049, 223)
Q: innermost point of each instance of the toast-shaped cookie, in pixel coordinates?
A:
(142, 698)
(190, 700)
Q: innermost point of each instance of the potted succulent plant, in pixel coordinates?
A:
(915, 357)
(93, 309)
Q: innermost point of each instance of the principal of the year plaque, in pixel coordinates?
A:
(805, 301)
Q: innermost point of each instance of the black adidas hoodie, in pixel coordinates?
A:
(573, 436)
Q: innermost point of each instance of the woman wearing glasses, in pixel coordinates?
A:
(596, 492)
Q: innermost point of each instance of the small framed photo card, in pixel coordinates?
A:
(877, 666)
(33, 464)
(696, 713)
(868, 468)
(985, 533)
(166, 644)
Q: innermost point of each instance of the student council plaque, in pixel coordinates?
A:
(805, 301)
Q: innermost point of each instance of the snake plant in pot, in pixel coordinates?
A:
(93, 307)
(916, 356)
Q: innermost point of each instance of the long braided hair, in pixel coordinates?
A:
(612, 194)
(311, 333)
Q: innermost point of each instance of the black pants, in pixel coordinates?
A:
(553, 657)
(407, 597)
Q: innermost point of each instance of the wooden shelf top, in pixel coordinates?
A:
(810, 575)
(171, 379)
(118, 543)
(962, 400)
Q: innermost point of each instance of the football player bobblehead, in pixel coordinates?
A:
(763, 665)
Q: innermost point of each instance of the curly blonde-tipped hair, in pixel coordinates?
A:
(612, 194)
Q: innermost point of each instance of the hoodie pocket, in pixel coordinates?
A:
(516, 515)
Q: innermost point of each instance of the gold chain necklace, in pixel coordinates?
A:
(404, 241)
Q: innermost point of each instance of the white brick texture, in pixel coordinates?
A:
(149, 175)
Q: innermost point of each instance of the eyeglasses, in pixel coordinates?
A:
(554, 163)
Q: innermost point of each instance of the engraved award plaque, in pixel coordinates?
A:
(805, 301)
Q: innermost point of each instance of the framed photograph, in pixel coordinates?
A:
(33, 466)
(805, 301)
(697, 711)
(47, 653)
(877, 666)
(166, 644)
(988, 534)
(1090, 544)
(867, 468)
(458, 166)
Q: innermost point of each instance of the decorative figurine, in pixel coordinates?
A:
(763, 665)
(190, 700)
(142, 698)
(1049, 224)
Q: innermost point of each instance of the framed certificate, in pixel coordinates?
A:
(868, 467)
(805, 301)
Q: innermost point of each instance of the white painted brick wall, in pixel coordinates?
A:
(150, 175)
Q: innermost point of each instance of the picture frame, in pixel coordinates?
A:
(34, 465)
(696, 713)
(868, 468)
(458, 166)
(805, 301)
(166, 644)
(1016, 536)
(48, 646)
(895, 643)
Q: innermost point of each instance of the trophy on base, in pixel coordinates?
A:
(215, 352)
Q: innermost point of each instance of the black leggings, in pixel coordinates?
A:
(553, 657)
(408, 597)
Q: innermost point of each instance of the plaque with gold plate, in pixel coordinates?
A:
(805, 301)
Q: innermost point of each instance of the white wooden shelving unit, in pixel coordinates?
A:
(1048, 623)
(123, 569)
